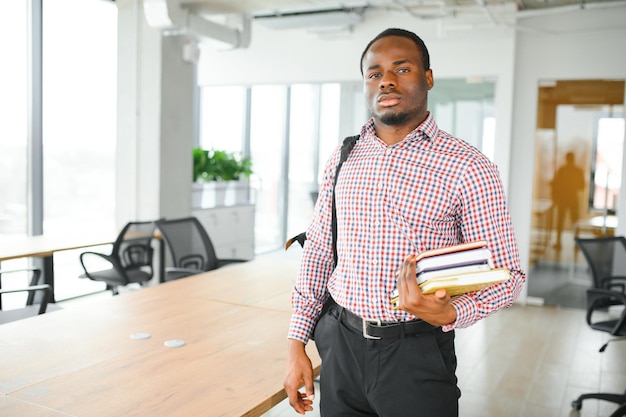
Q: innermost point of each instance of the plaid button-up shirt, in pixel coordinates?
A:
(430, 190)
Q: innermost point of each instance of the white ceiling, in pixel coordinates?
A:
(346, 14)
(260, 7)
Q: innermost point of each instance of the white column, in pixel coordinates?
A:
(155, 123)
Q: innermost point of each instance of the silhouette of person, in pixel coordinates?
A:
(568, 181)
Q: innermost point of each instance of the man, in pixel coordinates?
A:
(568, 182)
(406, 187)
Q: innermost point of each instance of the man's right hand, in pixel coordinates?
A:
(299, 372)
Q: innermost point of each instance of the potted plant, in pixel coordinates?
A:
(218, 168)
(200, 164)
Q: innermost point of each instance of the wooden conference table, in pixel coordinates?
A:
(82, 361)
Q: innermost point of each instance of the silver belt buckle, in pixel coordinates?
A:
(365, 323)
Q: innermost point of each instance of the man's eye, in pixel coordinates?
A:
(403, 70)
(374, 75)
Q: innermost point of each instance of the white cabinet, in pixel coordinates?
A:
(231, 229)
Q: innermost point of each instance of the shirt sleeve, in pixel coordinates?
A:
(484, 215)
(310, 290)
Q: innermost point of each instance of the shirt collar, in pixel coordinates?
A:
(426, 130)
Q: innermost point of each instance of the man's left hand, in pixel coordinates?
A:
(435, 308)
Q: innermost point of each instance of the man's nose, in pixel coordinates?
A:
(388, 80)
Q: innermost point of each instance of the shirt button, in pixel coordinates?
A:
(374, 262)
(387, 151)
(377, 223)
(379, 185)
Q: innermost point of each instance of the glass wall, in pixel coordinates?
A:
(576, 182)
(13, 139)
(303, 151)
(268, 136)
(79, 115)
(78, 127)
(465, 108)
(223, 118)
(13, 119)
(606, 164)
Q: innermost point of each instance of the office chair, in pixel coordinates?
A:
(131, 259)
(189, 247)
(32, 307)
(606, 258)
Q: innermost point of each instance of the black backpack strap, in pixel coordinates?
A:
(346, 148)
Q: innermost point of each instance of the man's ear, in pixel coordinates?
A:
(429, 79)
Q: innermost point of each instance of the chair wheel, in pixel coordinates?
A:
(577, 405)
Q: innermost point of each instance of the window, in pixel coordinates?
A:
(292, 132)
(464, 108)
(13, 119)
(268, 117)
(303, 139)
(606, 164)
(223, 118)
(79, 127)
(14, 139)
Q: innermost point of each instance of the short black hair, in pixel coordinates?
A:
(405, 34)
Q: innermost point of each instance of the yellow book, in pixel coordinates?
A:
(461, 283)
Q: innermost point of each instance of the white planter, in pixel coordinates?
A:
(240, 192)
(208, 194)
(197, 191)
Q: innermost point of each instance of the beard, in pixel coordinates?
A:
(394, 119)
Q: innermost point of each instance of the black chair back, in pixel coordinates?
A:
(133, 246)
(606, 257)
(188, 244)
(130, 261)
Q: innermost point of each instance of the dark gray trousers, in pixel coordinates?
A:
(410, 376)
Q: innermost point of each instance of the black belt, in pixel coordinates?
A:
(375, 329)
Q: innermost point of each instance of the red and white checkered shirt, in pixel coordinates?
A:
(428, 191)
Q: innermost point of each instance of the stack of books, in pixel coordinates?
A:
(458, 269)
